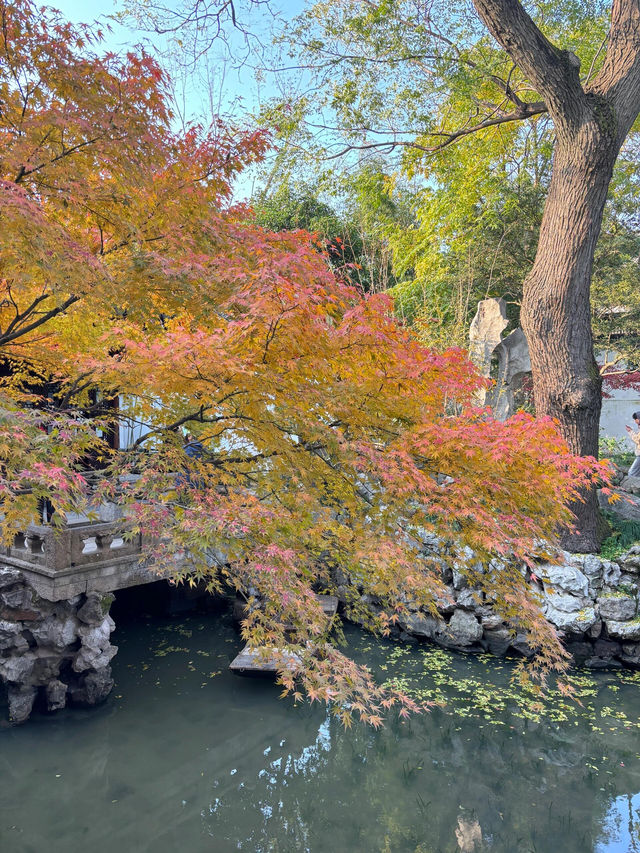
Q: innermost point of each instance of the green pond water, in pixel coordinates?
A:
(186, 757)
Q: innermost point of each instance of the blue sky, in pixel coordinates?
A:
(217, 85)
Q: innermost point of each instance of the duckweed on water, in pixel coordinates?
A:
(482, 687)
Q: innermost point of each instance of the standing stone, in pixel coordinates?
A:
(485, 333)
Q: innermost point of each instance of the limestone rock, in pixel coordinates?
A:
(92, 658)
(489, 619)
(422, 626)
(631, 485)
(620, 608)
(464, 629)
(17, 669)
(624, 630)
(95, 688)
(9, 634)
(445, 604)
(56, 695)
(630, 561)
(9, 577)
(46, 666)
(468, 599)
(498, 640)
(519, 644)
(56, 633)
(565, 602)
(20, 703)
(18, 596)
(575, 621)
(95, 608)
(566, 577)
(459, 580)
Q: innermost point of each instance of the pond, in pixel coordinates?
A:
(186, 757)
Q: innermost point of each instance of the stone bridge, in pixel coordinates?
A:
(56, 588)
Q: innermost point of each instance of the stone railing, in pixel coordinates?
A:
(62, 561)
(88, 544)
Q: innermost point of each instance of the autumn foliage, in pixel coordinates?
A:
(333, 442)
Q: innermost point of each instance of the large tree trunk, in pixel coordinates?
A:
(556, 307)
(591, 124)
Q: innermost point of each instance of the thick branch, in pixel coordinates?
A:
(553, 72)
(619, 78)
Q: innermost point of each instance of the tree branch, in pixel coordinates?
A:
(619, 78)
(553, 72)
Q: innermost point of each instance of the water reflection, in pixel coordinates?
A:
(187, 757)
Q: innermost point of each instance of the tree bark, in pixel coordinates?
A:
(591, 125)
(556, 314)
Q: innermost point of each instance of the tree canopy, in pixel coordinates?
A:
(332, 441)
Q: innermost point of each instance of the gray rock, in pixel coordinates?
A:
(624, 630)
(628, 507)
(20, 703)
(630, 561)
(95, 687)
(498, 640)
(46, 667)
(620, 608)
(464, 629)
(519, 644)
(17, 669)
(459, 579)
(575, 622)
(579, 651)
(421, 626)
(95, 608)
(631, 485)
(565, 602)
(18, 596)
(611, 574)
(596, 629)
(469, 599)
(8, 577)
(566, 578)
(91, 658)
(55, 633)
(56, 695)
(9, 632)
(97, 636)
(606, 649)
(489, 619)
(445, 604)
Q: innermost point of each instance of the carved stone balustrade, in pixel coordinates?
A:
(61, 562)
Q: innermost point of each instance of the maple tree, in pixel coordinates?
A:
(325, 428)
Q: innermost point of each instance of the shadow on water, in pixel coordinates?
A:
(185, 756)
